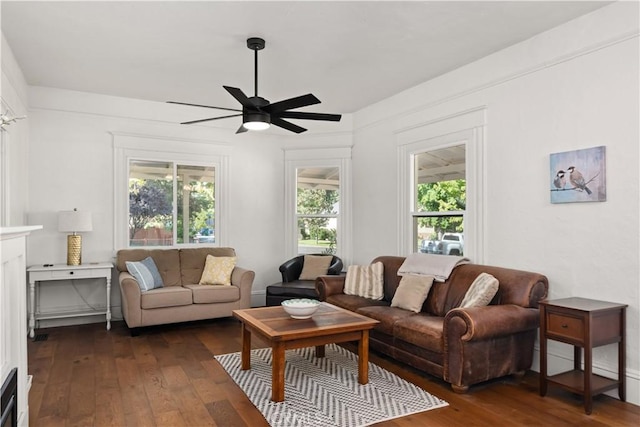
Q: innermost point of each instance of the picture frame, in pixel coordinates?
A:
(578, 175)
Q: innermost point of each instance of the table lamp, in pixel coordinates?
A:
(75, 222)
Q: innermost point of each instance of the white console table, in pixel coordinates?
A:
(39, 273)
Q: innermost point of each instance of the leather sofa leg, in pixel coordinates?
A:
(518, 376)
(460, 389)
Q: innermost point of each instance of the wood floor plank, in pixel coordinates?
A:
(109, 407)
(224, 414)
(82, 392)
(157, 389)
(168, 376)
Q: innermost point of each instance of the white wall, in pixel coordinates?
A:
(13, 98)
(573, 87)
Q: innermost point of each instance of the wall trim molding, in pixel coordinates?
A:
(560, 59)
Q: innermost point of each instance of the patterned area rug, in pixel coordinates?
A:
(325, 391)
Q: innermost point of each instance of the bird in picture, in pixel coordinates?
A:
(560, 181)
(577, 180)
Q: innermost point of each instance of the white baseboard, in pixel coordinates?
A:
(258, 298)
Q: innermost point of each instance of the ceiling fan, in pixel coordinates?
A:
(258, 113)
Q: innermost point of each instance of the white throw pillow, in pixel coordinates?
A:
(412, 292)
(481, 291)
(365, 281)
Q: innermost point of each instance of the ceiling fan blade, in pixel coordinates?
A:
(309, 116)
(288, 104)
(241, 129)
(240, 97)
(204, 106)
(286, 125)
(209, 119)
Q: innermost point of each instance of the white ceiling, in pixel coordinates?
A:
(348, 54)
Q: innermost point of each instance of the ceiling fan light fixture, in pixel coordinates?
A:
(256, 121)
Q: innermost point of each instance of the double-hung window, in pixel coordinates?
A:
(317, 209)
(439, 188)
(441, 173)
(316, 201)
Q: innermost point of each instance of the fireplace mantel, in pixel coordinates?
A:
(13, 313)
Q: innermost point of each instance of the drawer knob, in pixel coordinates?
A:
(71, 272)
(565, 326)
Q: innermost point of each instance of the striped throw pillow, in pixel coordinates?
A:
(146, 274)
(365, 281)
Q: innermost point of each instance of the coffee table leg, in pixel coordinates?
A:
(246, 348)
(277, 372)
(320, 351)
(363, 358)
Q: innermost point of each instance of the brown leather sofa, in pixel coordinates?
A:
(181, 299)
(461, 346)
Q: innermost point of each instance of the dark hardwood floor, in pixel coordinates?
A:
(167, 376)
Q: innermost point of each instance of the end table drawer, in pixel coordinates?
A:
(71, 273)
(566, 326)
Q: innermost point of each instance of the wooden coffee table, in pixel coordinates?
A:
(330, 324)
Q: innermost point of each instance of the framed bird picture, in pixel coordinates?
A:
(578, 176)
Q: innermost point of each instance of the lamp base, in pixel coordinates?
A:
(74, 249)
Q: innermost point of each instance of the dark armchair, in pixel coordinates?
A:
(291, 286)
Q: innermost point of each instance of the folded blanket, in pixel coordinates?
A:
(438, 266)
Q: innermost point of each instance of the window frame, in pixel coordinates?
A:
(320, 158)
(468, 128)
(129, 148)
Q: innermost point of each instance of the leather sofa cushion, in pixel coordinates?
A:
(192, 261)
(353, 302)
(167, 261)
(203, 294)
(171, 296)
(387, 316)
(295, 289)
(421, 330)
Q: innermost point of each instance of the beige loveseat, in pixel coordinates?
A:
(181, 299)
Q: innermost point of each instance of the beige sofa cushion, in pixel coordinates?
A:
(192, 261)
(204, 294)
(314, 266)
(171, 296)
(167, 261)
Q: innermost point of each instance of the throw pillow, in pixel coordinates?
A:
(217, 270)
(365, 281)
(481, 291)
(146, 274)
(412, 292)
(314, 266)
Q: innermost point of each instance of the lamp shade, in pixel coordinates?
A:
(74, 221)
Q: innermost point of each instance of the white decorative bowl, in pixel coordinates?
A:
(302, 308)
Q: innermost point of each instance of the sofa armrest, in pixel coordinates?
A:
(329, 285)
(291, 269)
(243, 278)
(483, 323)
(130, 295)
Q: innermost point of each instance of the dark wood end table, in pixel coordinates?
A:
(585, 324)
